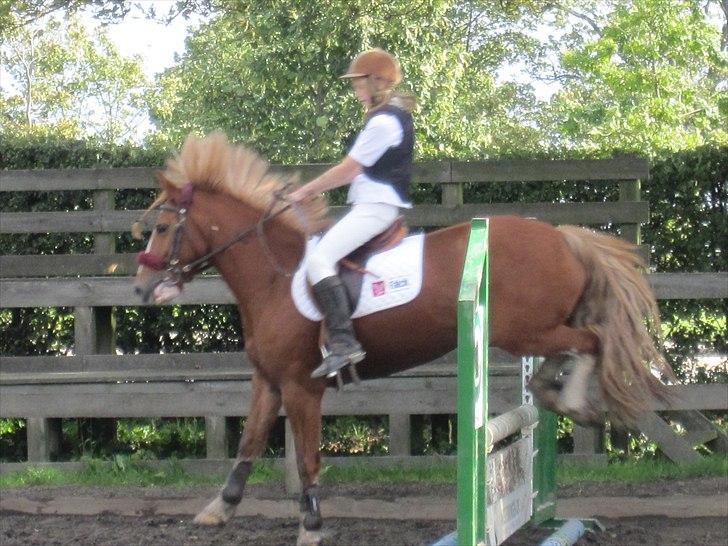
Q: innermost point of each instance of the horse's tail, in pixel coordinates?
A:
(619, 306)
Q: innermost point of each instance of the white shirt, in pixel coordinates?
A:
(382, 132)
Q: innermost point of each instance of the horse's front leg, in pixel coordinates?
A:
(302, 402)
(264, 407)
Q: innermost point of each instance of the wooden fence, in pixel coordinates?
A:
(95, 382)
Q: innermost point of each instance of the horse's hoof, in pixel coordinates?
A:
(217, 513)
(312, 522)
(546, 392)
(586, 414)
(548, 399)
(309, 538)
(548, 376)
(208, 520)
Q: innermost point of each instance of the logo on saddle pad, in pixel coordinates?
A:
(381, 288)
(378, 289)
(393, 277)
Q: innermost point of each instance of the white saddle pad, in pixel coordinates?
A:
(394, 278)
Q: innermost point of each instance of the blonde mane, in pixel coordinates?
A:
(215, 164)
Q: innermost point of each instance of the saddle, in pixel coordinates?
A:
(389, 238)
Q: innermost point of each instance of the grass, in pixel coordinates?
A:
(435, 473)
(125, 472)
(643, 471)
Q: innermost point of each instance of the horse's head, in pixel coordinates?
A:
(169, 259)
(184, 240)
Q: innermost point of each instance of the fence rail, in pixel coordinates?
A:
(428, 172)
(94, 382)
(113, 221)
(118, 291)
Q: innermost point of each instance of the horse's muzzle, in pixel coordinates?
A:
(145, 291)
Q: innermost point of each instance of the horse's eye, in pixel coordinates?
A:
(161, 228)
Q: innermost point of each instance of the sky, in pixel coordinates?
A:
(155, 42)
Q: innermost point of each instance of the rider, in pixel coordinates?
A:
(379, 168)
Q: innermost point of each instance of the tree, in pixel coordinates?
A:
(69, 84)
(17, 14)
(652, 80)
(266, 73)
(38, 93)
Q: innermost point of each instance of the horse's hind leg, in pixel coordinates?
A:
(303, 408)
(264, 407)
(572, 349)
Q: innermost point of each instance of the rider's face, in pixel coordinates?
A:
(362, 91)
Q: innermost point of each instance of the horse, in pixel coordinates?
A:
(572, 295)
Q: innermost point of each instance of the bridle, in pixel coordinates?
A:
(177, 272)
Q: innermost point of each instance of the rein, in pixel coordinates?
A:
(171, 264)
(204, 262)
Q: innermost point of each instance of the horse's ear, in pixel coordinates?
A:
(164, 183)
(168, 188)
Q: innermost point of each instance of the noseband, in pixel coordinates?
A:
(171, 264)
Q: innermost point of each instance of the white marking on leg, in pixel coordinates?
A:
(573, 395)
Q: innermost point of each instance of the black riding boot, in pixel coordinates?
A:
(343, 346)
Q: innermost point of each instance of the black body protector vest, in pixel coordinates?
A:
(395, 165)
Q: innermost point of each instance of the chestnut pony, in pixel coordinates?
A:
(566, 293)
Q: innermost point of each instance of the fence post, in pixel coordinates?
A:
(102, 318)
(216, 437)
(629, 190)
(399, 434)
(94, 328)
(452, 192)
(588, 444)
(43, 438)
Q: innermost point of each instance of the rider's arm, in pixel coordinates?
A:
(338, 175)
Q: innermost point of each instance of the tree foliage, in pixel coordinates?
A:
(69, 84)
(652, 80)
(688, 231)
(267, 73)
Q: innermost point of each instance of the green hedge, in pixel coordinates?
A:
(687, 193)
(688, 228)
(688, 231)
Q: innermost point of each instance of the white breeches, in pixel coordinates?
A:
(361, 223)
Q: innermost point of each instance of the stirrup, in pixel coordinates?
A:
(351, 368)
(333, 364)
